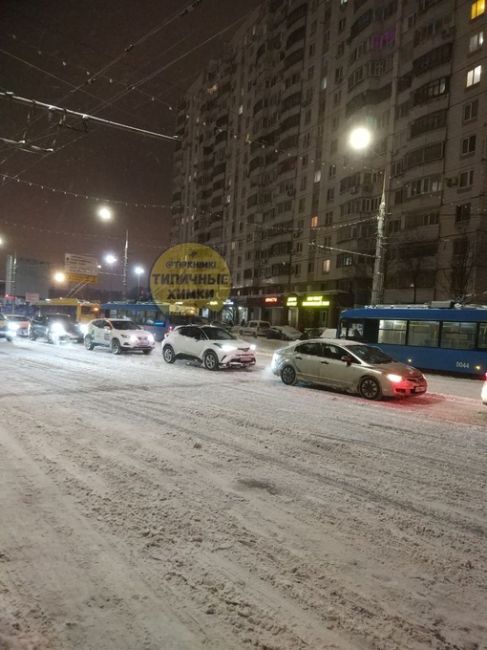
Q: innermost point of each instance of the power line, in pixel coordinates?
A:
(85, 117)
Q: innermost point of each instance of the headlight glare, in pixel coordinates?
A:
(394, 378)
(58, 328)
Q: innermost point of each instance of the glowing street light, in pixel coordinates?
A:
(110, 259)
(360, 138)
(59, 277)
(2, 240)
(105, 213)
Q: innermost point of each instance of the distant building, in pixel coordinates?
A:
(264, 172)
(27, 276)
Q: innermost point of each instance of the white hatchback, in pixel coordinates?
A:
(118, 334)
(214, 347)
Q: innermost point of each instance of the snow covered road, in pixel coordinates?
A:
(147, 506)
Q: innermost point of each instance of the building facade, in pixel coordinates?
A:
(264, 171)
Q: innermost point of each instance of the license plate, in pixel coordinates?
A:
(419, 389)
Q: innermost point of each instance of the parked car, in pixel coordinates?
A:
(349, 366)
(55, 328)
(5, 333)
(18, 324)
(118, 334)
(283, 333)
(255, 328)
(214, 347)
(223, 324)
(483, 394)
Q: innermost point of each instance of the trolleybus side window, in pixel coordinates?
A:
(483, 335)
(392, 331)
(424, 333)
(458, 336)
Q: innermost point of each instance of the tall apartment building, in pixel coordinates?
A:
(264, 172)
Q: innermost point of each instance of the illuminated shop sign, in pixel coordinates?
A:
(292, 301)
(271, 300)
(315, 301)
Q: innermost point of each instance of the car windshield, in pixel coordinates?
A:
(17, 318)
(370, 354)
(217, 334)
(125, 325)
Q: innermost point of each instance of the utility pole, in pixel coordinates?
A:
(378, 277)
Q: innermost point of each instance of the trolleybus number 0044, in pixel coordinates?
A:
(462, 364)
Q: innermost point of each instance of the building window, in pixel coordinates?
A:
(469, 144)
(326, 265)
(314, 221)
(328, 218)
(317, 178)
(344, 259)
(470, 111)
(477, 9)
(466, 179)
(476, 41)
(332, 170)
(341, 25)
(324, 82)
(473, 76)
(330, 194)
(462, 212)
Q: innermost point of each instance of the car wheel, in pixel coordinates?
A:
(168, 354)
(369, 388)
(210, 361)
(146, 351)
(32, 336)
(115, 346)
(9, 339)
(89, 345)
(288, 375)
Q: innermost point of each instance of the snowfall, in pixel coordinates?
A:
(146, 506)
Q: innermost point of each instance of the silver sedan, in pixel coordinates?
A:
(346, 365)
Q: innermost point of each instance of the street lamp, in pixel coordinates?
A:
(59, 277)
(110, 259)
(360, 139)
(106, 214)
(138, 270)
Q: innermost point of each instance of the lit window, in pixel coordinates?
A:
(317, 175)
(314, 221)
(324, 83)
(326, 266)
(477, 9)
(473, 76)
(476, 42)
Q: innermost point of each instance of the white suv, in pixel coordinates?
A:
(118, 334)
(214, 347)
(255, 328)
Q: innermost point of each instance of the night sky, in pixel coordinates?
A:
(48, 51)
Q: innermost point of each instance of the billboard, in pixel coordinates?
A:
(81, 268)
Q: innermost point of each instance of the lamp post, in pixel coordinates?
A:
(138, 270)
(360, 139)
(106, 214)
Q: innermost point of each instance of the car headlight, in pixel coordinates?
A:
(13, 327)
(83, 328)
(58, 328)
(228, 348)
(394, 378)
(133, 338)
(253, 347)
(150, 337)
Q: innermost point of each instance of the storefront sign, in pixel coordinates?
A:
(315, 301)
(191, 274)
(292, 301)
(271, 300)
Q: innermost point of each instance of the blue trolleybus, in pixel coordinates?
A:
(445, 339)
(157, 319)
